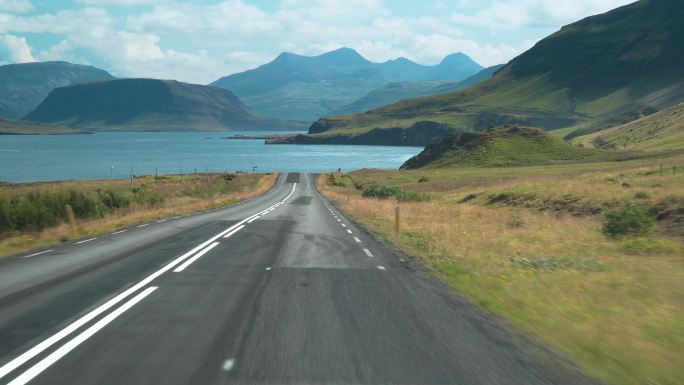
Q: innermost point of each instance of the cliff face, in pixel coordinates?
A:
(419, 134)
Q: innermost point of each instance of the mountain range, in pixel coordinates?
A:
(24, 86)
(149, 105)
(397, 91)
(596, 73)
(297, 87)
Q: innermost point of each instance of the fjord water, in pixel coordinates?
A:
(44, 157)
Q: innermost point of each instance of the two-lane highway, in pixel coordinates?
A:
(278, 290)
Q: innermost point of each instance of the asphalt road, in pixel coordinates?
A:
(281, 289)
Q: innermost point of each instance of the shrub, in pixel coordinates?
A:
(641, 195)
(344, 181)
(631, 220)
(380, 192)
(648, 246)
(113, 200)
(411, 196)
(384, 192)
(423, 179)
(515, 221)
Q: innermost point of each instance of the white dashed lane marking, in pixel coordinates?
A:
(368, 253)
(228, 365)
(39, 253)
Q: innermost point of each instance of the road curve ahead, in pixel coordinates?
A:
(281, 289)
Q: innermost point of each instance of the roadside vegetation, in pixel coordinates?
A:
(586, 257)
(36, 214)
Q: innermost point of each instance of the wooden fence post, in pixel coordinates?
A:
(72, 219)
(397, 217)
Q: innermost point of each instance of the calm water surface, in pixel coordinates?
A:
(43, 157)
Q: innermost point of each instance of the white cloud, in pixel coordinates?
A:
(199, 42)
(18, 6)
(18, 47)
(501, 15)
(120, 2)
(59, 51)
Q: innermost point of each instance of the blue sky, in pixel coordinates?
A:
(201, 40)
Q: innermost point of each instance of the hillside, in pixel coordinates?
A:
(505, 146)
(661, 131)
(25, 86)
(8, 127)
(149, 105)
(394, 92)
(297, 87)
(592, 74)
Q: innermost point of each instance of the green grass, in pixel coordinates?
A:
(661, 131)
(35, 214)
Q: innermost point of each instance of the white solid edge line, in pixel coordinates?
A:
(119, 232)
(39, 253)
(196, 257)
(84, 241)
(368, 253)
(46, 362)
(34, 351)
(357, 240)
(234, 231)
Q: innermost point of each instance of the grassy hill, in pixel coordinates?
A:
(150, 105)
(9, 127)
(504, 146)
(305, 88)
(25, 86)
(592, 74)
(661, 131)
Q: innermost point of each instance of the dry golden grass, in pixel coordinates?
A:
(554, 275)
(196, 193)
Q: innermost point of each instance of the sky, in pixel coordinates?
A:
(199, 41)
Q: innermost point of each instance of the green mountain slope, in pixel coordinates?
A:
(149, 105)
(9, 127)
(305, 88)
(394, 92)
(589, 75)
(498, 147)
(661, 131)
(25, 86)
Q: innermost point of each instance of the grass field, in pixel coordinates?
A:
(34, 214)
(526, 243)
